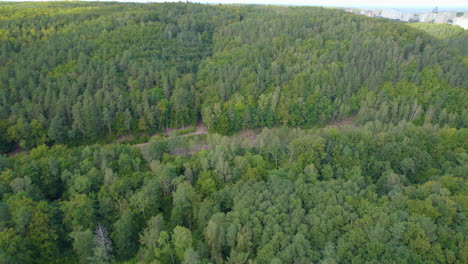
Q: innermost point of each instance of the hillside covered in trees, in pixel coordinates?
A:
(82, 72)
(278, 178)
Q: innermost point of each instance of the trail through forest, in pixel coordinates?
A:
(200, 129)
(349, 121)
(250, 134)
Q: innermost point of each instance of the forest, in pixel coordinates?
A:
(327, 137)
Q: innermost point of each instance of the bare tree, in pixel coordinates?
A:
(103, 246)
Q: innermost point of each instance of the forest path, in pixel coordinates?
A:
(349, 121)
(200, 129)
(250, 134)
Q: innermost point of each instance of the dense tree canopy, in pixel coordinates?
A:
(383, 182)
(79, 73)
(348, 195)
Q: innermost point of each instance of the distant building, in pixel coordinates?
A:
(392, 14)
(427, 17)
(461, 21)
(445, 18)
(367, 13)
(439, 18)
(456, 18)
(409, 17)
(377, 13)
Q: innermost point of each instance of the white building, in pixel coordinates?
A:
(409, 17)
(461, 21)
(427, 17)
(455, 18)
(392, 14)
(445, 17)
